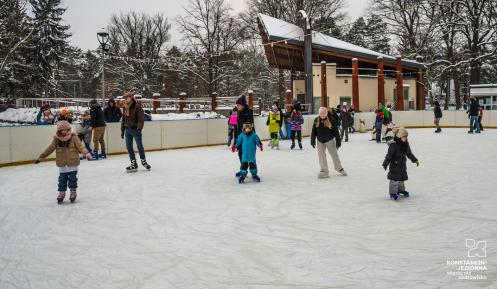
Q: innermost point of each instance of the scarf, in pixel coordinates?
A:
(126, 108)
(63, 138)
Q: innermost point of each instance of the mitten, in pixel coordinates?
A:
(88, 156)
(417, 163)
(261, 147)
(233, 148)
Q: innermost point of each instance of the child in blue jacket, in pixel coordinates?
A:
(249, 141)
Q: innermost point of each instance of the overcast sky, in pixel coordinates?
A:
(86, 17)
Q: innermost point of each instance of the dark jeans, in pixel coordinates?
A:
(298, 134)
(68, 180)
(130, 134)
(231, 133)
(274, 135)
(377, 126)
(246, 165)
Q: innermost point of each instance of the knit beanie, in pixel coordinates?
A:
(401, 132)
(241, 100)
(63, 125)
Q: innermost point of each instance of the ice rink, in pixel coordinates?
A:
(189, 224)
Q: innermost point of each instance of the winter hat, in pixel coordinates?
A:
(63, 125)
(274, 107)
(241, 100)
(400, 132)
(65, 112)
(323, 112)
(93, 101)
(246, 125)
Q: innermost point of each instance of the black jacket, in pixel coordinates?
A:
(244, 116)
(438, 111)
(97, 116)
(112, 113)
(473, 108)
(347, 120)
(397, 155)
(324, 134)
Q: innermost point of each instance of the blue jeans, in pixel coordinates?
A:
(130, 134)
(68, 180)
(473, 123)
(288, 130)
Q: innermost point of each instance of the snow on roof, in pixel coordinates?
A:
(277, 29)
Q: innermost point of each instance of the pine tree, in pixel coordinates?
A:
(376, 35)
(357, 33)
(50, 40)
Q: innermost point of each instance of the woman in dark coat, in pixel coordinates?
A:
(437, 111)
(112, 113)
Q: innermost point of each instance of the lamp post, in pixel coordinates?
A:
(103, 39)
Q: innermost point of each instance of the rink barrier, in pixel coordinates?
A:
(23, 144)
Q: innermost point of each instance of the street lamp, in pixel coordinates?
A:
(103, 39)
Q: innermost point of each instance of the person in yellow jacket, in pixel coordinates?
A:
(274, 127)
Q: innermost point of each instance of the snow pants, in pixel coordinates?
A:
(245, 166)
(396, 186)
(331, 146)
(69, 179)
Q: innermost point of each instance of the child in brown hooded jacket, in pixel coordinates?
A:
(66, 146)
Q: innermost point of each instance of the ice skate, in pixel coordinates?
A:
(238, 174)
(146, 165)
(394, 197)
(404, 194)
(300, 146)
(323, 175)
(133, 167)
(103, 155)
(293, 146)
(60, 197)
(256, 178)
(73, 196)
(343, 172)
(241, 179)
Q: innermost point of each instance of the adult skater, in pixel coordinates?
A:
(352, 114)
(98, 126)
(325, 129)
(473, 115)
(480, 117)
(347, 122)
(131, 128)
(245, 116)
(437, 111)
(378, 123)
(112, 113)
(396, 159)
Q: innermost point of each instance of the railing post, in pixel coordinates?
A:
(399, 98)
(155, 102)
(289, 99)
(250, 99)
(355, 83)
(213, 101)
(324, 90)
(182, 99)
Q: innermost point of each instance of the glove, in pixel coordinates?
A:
(338, 146)
(313, 145)
(37, 161)
(417, 163)
(385, 167)
(261, 146)
(88, 156)
(233, 148)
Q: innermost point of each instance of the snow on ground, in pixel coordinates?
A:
(189, 224)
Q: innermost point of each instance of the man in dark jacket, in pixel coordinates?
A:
(396, 159)
(325, 129)
(131, 128)
(245, 116)
(473, 115)
(347, 122)
(97, 122)
(112, 113)
(438, 115)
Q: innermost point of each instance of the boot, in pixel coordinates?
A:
(394, 197)
(146, 165)
(256, 178)
(300, 145)
(343, 172)
(238, 174)
(404, 194)
(103, 155)
(293, 146)
(60, 197)
(95, 155)
(241, 179)
(73, 195)
(133, 167)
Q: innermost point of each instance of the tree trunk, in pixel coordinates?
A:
(457, 88)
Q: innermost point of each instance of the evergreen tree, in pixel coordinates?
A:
(376, 35)
(50, 40)
(358, 33)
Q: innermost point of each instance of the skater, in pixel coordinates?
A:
(45, 116)
(480, 117)
(396, 161)
(64, 114)
(288, 122)
(297, 120)
(325, 129)
(98, 126)
(112, 113)
(352, 114)
(274, 127)
(248, 141)
(66, 144)
(232, 125)
(83, 130)
(347, 122)
(437, 111)
(245, 115)
(131, 128)
(378, 123)
(473, 115)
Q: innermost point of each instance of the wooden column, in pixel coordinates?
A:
(260, 106)
(155, 102)
(182, 99)
(399, 98)
(250, 99)
(420, 87)
(355, 83)
(213, 101)
(324, 89)
(289, 99)
(381, 80)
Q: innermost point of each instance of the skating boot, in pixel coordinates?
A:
(300, 146)
(95, 155)
(404, 194)
(343, 172)
(256, 178)
(146, 165)
(241, 179)
(73, 195)
(238, 174)
(394, 197)
(133, 167)
(103, 155)
(293, 146)
(60, 197)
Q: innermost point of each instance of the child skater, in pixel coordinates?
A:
(83, 130)
(396, 159)
(66, 144)
(232, 122)
(297, 121)
(249, 141)
(274, 127)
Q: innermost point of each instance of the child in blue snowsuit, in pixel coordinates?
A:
(249, 141)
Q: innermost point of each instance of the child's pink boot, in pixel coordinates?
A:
(60, 197)
(73, 195)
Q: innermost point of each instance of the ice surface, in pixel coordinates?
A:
(189, 224)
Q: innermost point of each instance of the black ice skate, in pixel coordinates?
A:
(133, 167)
(146, 165)
(394, 197)
(256, 178)
(404, 194)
